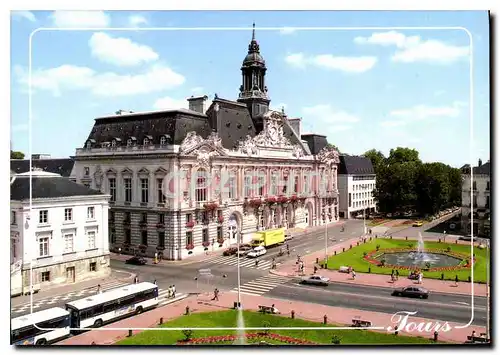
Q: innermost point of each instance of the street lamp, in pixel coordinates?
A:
(326, 235)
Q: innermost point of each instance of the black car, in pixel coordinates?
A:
(411, 291)
(136, 260)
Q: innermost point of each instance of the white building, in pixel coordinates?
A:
(357, 182)
(64, 239)
(481, 198)
(128, 155)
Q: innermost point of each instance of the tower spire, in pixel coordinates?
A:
(253, 31)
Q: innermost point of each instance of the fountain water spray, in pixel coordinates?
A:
(241, 340)
(420, 248)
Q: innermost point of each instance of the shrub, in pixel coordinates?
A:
(188, 334)
(448, 249)
(410, 245)
(266, 325)
(336, 339)
(365, 253)
(377, 247)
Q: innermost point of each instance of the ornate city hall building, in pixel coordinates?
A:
(237, 166)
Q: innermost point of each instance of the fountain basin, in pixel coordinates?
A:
(415, 259)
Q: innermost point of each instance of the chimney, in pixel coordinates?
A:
(480, 162)
(197, 103)
(295, 123)
(40, 156)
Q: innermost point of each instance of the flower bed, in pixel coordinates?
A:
(271, 200)
(212, 206)
(231, 338)
(466, 263)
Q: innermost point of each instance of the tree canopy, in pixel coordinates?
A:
(405, 183)
(16, 155)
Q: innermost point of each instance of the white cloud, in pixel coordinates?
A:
(69, 77)
(83, 19)
(332, 120)
(287, 30)
(168, 103)
(137, 20)
(120, 51)
(414, 49)
(28, 15)
(422, 112)
(328, 61)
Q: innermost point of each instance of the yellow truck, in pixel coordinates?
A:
(269, 238)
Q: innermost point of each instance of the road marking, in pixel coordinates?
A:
(464, 303)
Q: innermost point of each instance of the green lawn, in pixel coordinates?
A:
(254, 319)
(354, 258)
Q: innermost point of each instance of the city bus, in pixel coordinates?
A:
(54, 324)
(102, 308)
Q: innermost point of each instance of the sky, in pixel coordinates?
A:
(363, 89)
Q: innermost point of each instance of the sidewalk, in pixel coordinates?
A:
(289, 269)
(307, 311)
(115, 275)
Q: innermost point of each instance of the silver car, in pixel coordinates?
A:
(316, 280)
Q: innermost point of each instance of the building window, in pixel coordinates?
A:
(247, 186)
(86, 171)
(305, 188)
(128, 236)
(219, 232)
(262, 183)
(43, 217)
(127, 217)
(295, 184)
(45, 276)
(285, 184)
(201, 187)
(112, 189)
(68, 214)
(189, 217)
(111, 216)
(159, 189)
(112, 235)
(13, 217)
(68, 243)
(128, 189)
(161, 218)
(144, 190)
(205, 235)
(474, 185)
(350, 200)
(129, 142)
(90, 213)
(93, 266)
(163, 140)
(161, 239)
(144, 237)
(144, 218)
(44, 246)
(487, 185)
(189, 238)
(232, 187)
(113, 143)
(146, 141)
(91, 239)
(274, 184)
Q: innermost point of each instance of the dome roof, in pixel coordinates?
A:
(254, 57)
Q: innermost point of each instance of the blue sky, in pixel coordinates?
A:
(363, 89)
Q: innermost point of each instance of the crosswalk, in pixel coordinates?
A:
(261, 285)
(48, 302)
(244, 262)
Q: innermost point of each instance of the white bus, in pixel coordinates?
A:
(24, 332)
(96, 310)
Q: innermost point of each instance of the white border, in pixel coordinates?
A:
(471, 135)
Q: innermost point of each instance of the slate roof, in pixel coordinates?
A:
(355, 165)
(316, 142)
(62, 167)
(47, 187)
(484, 169)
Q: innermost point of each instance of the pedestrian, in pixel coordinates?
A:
(156, 257)
(99, 289)
(315, 269)
(169, 292)
(173, 291)
(288, 251)
(353, 275)
(420, 277)
(216, 295)
(155, 282)
(136, 280)
(397, 274)
(256, 263)
(456, 280)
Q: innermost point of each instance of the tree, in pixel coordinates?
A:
(433, 188)
(377, 158)
(329, 145)
(403, 155)
(16, 155)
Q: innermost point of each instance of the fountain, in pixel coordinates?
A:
(241, 340)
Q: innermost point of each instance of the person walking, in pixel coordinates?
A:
(216, 294)
(397, 275)
(136, 280)
(99, 289)
(169, 292)
(156, 257)
(456, 280)
(173, 291)
(353, 275)
(256, 263)
(155, 282)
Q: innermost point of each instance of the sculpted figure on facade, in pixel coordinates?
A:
(247, 146)
(191, 141)
(98, 176)
(298, 152)
(329, 156)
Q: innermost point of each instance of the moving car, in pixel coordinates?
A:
(411, 291)
(136, 260)
(244, 250)
(418, 224)
(256, 252)
(316, 280)
(230, 251)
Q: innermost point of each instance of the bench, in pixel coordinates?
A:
(476, 339)
(266, 309)
(358, 322)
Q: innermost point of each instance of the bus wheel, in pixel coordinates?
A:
(138, 310)
(98, 323)
(41, 342)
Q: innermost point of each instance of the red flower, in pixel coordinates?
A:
(189, 246)
(190, 224)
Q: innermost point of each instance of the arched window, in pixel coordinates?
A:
(163, 140)
(201, 186)
(145, 141)
(113, 143)
(89, 144)
(129, 142)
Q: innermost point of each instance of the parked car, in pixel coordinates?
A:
(244, 249)
(256, 252)
(288, 237)
(230, 251)
(316, 280)
(136, 260)
(468, 238)
(411, 291)
(418, 224)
